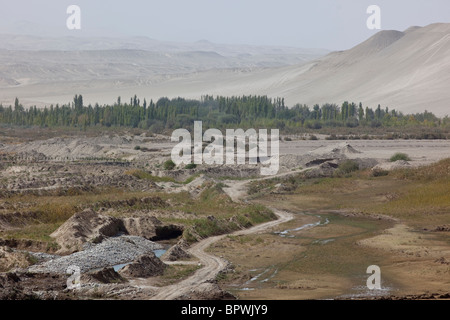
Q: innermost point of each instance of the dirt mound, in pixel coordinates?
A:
(291, 161)
(10, 259)
(388, 166)
(26, 286)
(145, 266)
(335, 149)
(86, 226)
(208, 291)
(142, 226)
(63, 148)
(151, 228)
(326, 169)
(105, 275)
(176, 253)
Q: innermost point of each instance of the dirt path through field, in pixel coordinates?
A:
(212, 265)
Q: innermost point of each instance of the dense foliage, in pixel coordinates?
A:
(218, 112)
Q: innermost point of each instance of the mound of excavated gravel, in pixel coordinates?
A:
(175, 253)
(145, 266)
(83, 227)
(335, 149)
(105, 275)
(110, 252)
(334, 153)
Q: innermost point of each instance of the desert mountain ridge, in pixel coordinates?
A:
(403, 70)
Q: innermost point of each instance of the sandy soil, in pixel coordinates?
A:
(406, 71)
(421, 262)
(420, 151)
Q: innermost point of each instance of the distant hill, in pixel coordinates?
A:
(19, 42)
(408, 71)
(45, 70)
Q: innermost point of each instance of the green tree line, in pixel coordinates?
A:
(218, 112)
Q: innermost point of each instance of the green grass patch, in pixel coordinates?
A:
(175, 273)
(169, 165)
(36, 232)
(400, 156)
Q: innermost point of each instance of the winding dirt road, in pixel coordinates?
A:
(212, 265)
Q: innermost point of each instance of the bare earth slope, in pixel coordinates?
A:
(408, 71)
(44, 70)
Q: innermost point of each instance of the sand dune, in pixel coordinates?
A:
(407, 71)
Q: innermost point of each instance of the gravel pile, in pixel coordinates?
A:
(110, 252)
(40, 256)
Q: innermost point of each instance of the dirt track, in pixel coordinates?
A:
(212, 265)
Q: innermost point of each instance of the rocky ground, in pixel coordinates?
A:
(110, 252)
(95, 240)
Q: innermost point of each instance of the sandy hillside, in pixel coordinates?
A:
(49, 70)
(407, 71)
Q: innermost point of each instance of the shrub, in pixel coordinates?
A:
(169, 165)
(190, 166)
(347, 167)
(400, 156)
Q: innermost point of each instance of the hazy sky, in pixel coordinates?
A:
(330, 24)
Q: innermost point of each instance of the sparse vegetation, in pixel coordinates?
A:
(190, 166)
(400, 156)
(418, 195)
(346, 167)
(213, 213)
(169, 165)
